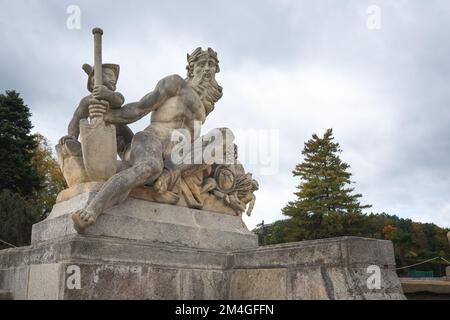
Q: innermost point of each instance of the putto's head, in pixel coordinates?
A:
(202, 65)
(110, 75)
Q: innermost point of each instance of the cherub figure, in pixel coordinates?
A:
(107, 92)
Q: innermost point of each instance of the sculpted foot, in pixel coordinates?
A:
(81, 220)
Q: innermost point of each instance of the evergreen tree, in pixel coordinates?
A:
(325, 205)
(17, 146)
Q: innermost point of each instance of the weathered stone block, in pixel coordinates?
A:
(163, 284)
(370, 251)
(159, 223)
(4, 280)
(314, 252)
(203, 284)
(5, 295)
(389, 282)
(103, 281)
(310, 283)
(258, 284)
(45, 282)
(115, 268)
(19, 283)
(340, 286)
(15, 282)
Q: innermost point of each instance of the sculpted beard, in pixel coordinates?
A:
(208, 90)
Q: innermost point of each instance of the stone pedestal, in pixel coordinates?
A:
(136, 219)
(143, 250)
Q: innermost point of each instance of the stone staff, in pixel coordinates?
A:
(98, 139)
(98, 64)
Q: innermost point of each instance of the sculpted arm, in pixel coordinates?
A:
(82, 112)
(116, 100)
(131, 112)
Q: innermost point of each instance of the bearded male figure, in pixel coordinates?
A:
(175, 104)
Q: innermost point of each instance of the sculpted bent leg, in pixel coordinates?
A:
(147, 165)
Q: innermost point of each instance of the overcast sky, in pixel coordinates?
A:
(288, 68)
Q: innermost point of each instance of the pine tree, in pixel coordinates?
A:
(17, 146)
(325, 205)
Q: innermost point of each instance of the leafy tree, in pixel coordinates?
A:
(16, 146)
(272, 233)
(419, 236)
(18, 213)
(278, 231)
(325, 205)
(17, 216)
(389, 231)
(403, 245)
(52, 180)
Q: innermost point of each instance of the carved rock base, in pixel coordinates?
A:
(113, 268)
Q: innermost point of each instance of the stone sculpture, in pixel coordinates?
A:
(151, 166)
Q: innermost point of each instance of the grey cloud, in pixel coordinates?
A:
(400, 157)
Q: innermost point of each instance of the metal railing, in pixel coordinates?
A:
(8, 244)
